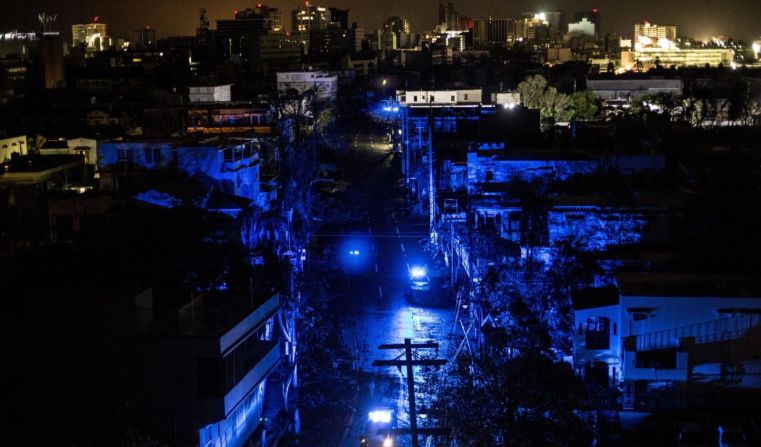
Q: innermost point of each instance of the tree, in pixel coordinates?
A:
(532, 91)
(553, 106)
(584, 105)
(740, 105)
(559, 105)
(498, 399)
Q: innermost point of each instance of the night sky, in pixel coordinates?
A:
(696, 18)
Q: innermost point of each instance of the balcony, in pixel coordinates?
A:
(723, 329)
(213, 408)
(237, 158)
(270, 358)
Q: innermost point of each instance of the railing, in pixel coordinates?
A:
(240, 163)
(723, 329)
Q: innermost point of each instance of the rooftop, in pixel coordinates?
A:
(208, 314)
(688, 285)
(40, 163)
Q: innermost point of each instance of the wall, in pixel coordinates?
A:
(10, 145)
(137, 152)
(504, 169)
(611, 356)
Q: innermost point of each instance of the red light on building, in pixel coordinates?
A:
(96, 18)
(594, 10)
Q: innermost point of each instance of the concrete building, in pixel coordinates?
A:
(210, 93)
(145, 38)
(646, 58)
(274, 50)
(27, 58)
(439, 97)
(92, 36)
(84, 147)
(234, 36)
(308, 18)
(43, 172)
(14, 145)
(508, 100)
(491, 165)
(559, 55)
(361, 67)
(231, 164)
(324, 84)
(626, 89)
(654, 32)
(230, 118)
(593, 16)
(449, 18)
(653, 328)
(194, 368)
(582, 28)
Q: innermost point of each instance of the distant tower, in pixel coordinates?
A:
(203, 24)
(46, 21)
(448, 16)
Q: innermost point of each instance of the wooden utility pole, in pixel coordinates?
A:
(409, 361)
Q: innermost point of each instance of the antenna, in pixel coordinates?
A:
(46, 21)
(203, 20)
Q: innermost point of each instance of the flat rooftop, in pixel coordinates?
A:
(688, 285)
(40, 163)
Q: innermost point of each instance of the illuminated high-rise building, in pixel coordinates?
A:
(493, 31)
(654, 32)
(582, 28)
(308, 18)
(592, 15)
(92, 35)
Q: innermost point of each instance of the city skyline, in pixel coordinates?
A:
(172, 17)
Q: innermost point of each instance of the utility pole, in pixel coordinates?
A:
(410, 361)
(432, 186)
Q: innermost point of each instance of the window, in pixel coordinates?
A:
(125, 155)
(466, 97)
(152, 155)
(598, 333)
(615, 329)
(581, 329)
(452, 98)
(489, 176)
(414, 99)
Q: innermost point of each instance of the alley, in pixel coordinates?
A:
(370, 292)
